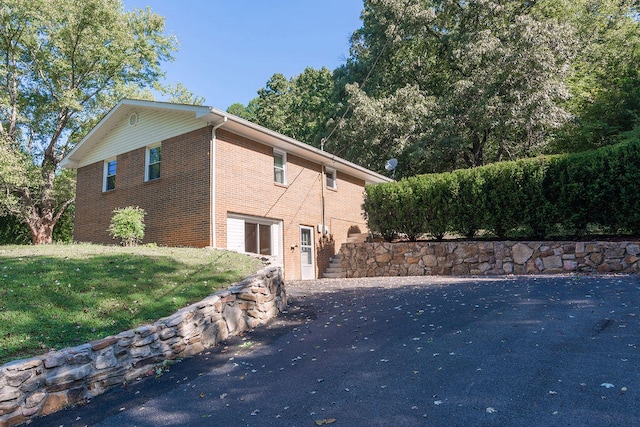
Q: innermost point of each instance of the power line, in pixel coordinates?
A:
(373, 66)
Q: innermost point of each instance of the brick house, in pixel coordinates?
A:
(207, 178)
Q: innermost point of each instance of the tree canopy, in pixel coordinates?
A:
(605, 78)
(494, 72)
(64, 64)
(442, 84)
(297, 107)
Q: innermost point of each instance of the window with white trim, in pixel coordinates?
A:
(254, 235)
(279, 167)
(257, 238)
(109, 180)
(331, 178)
(152, 163)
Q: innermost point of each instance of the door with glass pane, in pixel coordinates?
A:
(307, 263)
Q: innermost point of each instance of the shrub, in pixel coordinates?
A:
(502, 183)
(627, 214)
(538, 214)
(409, 210)
(127, 224)
(381, 209)
(540, 197)
(437, 203)
(469, 202)
(13, 231)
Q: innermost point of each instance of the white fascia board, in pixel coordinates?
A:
(234, 124)
(123, 108)
(261, 134)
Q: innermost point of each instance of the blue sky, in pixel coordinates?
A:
(230, 48)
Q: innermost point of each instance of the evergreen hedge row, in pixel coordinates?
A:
(555, 196)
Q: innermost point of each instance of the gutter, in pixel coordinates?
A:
(290, 145)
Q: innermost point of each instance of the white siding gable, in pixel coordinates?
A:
(152, 127)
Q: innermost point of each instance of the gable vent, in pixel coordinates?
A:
(133, 119)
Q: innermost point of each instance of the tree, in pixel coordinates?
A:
(605, 77)
(298, 107)
(63, 65)
(237, 109)
(179, 94)
(380, 129)
(493, 72)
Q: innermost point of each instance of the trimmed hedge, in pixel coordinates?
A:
(562, 195)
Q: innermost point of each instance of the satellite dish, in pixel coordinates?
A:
(391, 164)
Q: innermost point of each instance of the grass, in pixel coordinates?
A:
(57, 296)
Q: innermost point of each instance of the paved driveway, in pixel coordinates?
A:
(517, 351)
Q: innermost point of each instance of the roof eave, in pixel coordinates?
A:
(71, 160)
(235, 124)
(277, 140)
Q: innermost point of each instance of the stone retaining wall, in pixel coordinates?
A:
(488, 258)
(47, 383)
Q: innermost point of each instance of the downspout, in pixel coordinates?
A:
(212, 181)
(323, 182)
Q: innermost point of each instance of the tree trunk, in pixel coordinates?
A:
(475, 156)
(42, 221)
(40, 214)
(41, 233)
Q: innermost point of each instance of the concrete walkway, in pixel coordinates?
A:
(416, 351)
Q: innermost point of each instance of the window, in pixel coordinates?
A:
(330, 178)
(153, 159)
(109, 176)
(256, 235)
(280, 167)
(257, 238)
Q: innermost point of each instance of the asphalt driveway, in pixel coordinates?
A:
(416, 351)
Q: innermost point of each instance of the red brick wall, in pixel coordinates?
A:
(177, 203)
(245, 184)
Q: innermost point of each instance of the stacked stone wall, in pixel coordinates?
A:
(488, 258)
(47, 383)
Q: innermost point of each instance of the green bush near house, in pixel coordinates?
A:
(557, 196)
(127, 224)
(381, 209)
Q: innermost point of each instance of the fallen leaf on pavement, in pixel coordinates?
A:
(325, 421)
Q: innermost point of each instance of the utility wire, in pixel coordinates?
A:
(373, 66)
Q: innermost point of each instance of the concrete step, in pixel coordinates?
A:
(334, 275)
(334, 270)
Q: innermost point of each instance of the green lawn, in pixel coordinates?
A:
(56, 296)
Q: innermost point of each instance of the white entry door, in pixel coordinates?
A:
(307, 259)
